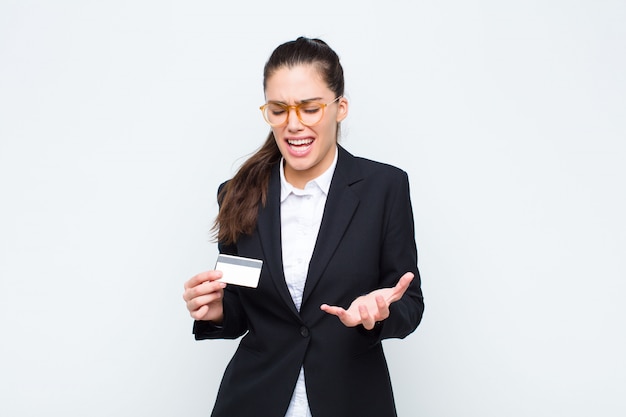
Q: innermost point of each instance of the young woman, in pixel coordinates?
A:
(336, 236)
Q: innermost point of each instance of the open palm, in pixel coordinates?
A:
(370, 308)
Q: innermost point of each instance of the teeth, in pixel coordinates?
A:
(299, 142)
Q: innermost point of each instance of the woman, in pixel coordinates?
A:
(336, 237)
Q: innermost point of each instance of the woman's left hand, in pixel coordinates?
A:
(370, 308)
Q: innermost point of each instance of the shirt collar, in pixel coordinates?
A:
(322, 182)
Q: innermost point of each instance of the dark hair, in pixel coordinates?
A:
(241, 196)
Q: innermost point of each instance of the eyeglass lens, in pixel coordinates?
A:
(308, 113)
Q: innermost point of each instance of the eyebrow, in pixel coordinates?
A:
(306, 100)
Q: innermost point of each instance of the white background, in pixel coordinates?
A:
(119, 119)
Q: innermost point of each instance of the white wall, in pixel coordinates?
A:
(119, 119)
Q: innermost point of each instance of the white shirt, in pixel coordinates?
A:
(300, 218)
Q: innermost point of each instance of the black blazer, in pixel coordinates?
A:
(366, 241)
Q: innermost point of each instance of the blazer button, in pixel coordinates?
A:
(304, 331)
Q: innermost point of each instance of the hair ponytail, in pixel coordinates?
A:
(240, 197)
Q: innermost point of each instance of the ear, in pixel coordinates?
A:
(342, 109)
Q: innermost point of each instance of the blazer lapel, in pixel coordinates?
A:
(269, 230)
(341, 204)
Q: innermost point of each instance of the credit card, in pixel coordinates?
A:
(238, 270)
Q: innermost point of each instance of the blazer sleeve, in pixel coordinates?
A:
(398, 256)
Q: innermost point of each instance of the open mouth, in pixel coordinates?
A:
(299, 142)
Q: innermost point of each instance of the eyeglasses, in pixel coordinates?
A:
(309, 113)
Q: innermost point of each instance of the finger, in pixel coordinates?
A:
(202, 277)
(366, 319)
(199, 313)
(335, 311)
(197, 279)
(204, 288)
(401, 287)
(343, 315)
(197, 302)
(383, 308)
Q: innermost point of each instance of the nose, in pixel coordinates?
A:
(293, 122)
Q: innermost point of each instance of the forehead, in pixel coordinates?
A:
(296, 83)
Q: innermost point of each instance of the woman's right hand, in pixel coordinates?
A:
(203, 295)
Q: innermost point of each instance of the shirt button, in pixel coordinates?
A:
(304, 332)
